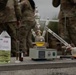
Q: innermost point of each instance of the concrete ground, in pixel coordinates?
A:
(39, 67)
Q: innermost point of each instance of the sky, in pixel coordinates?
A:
(46, 10)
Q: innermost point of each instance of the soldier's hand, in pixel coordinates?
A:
(69, 49)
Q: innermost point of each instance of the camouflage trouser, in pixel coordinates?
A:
(68, 31)
(25, 35)
(11, 30)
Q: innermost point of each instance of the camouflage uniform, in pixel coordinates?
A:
(28, 22)
(67, 19)
(8, 20)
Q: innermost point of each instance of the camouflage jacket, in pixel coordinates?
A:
(11, 12)
(27, 11)
(67, 8)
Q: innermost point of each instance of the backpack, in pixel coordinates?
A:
(3, 4)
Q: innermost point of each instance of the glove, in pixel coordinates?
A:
(55, 3)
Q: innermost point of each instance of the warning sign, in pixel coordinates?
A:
(5, 47)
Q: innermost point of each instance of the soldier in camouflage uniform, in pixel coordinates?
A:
(10, 15)
(67, 19)
(28, 22)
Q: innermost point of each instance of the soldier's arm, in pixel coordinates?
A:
(55, 3)
(17, 10)
(23, 2)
